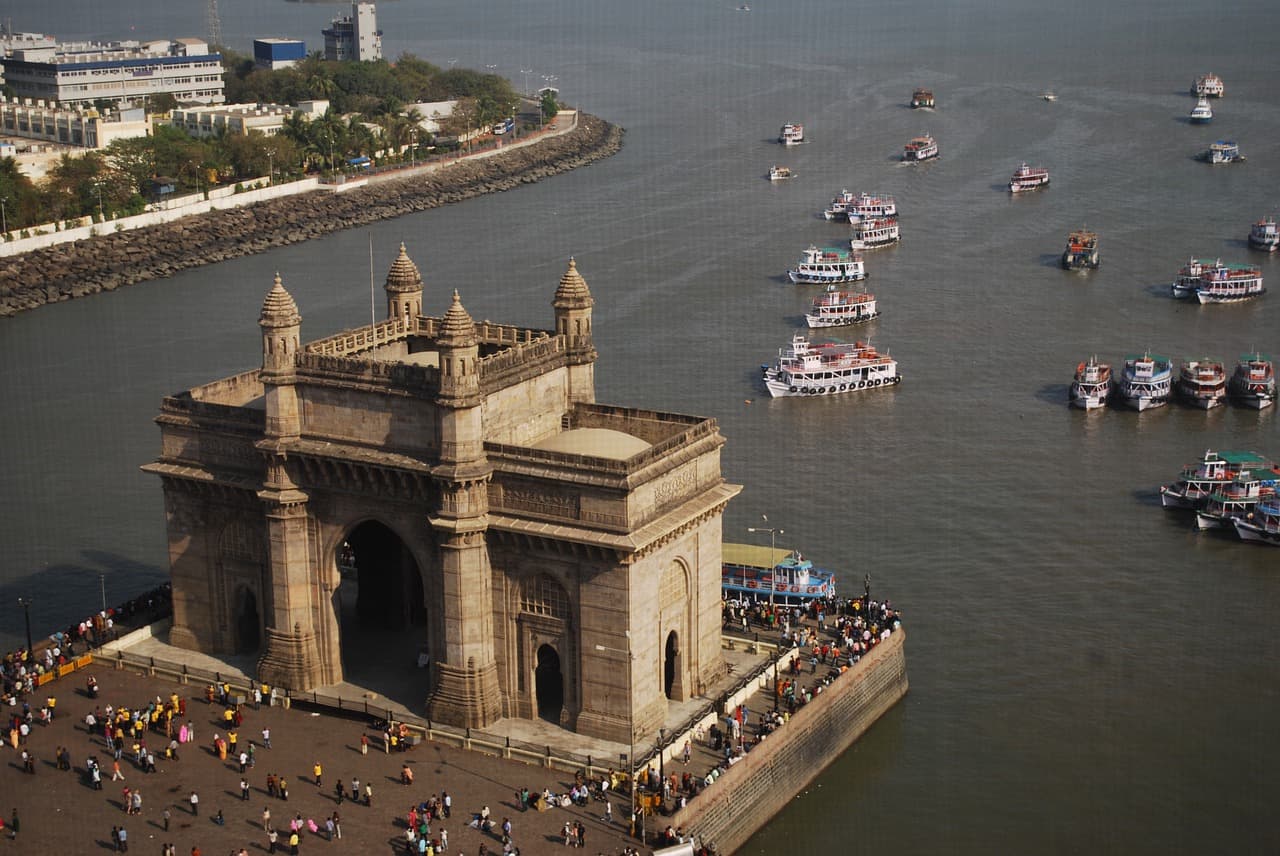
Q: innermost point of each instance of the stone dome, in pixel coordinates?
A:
(279, 309)
(403, 275)
(572, 293)
(457, 327)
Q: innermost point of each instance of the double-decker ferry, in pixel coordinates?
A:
(1028, 178)
(1262, 525)
(1222, 151)
(1203, 383)
(1197, 482)
(828, 265)
(1253, 383)
(1202, 113)
(840, 204)
(828, 369)
(866, 206)
(779, 173)
(922, 98)
(1265, 235)
(1091, 386)
(1146, 381)
(872, 233)
(838, 308)
(792, 134)
(1188, 278)
(1208, 86)
(1082, 251)
(766, 573)
(920, 148)
(1235, 499)
(1225, 283)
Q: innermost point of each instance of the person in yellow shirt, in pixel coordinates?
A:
(293, 843)
(318, 771)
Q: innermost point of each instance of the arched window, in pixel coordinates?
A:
(542, 595)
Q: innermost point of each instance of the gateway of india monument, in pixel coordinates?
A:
(548, 556)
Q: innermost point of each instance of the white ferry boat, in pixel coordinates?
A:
(780, 173)
(1091, 386)
(1222, 151)
(792, 134)
(1198, 481)
(839, 207)
(1203, 383)
(920, 148)
(841, 308)
(781, 575)
(867, 206)
(828, 369)
(872, 233)
(1028, 178)
(1188, 278)
(1202, 113)
(1146, 381)
(1235, 499)
(827, 265)
(1253, 384)
(1262, 525)
(922, 98)
(1229, 283)
(1208, 86)
(1265, 235)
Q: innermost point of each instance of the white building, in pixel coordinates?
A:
(242, 119)
(355, 36)
(77, 75)
(53, 123)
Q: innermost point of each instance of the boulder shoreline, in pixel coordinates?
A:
(110, 261)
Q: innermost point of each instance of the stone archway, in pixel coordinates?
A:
(381, 614)
(248, 622)
(671, 667)
(548, 682)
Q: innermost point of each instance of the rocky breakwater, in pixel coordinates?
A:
(110, 261)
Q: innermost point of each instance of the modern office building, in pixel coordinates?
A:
(126, 73)
(42, 120)
(355, 36)
(278, 53)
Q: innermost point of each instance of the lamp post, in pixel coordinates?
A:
(4, 217)
(102, 581)
(271, 168)
(773, 562)
(97, 185)
(631, 730)
(526, 72)
(25, 603)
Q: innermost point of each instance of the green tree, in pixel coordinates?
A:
(549, 106)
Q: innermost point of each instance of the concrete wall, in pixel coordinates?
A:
(753, 790)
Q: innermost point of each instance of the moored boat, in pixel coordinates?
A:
(1208, 86)
(792, 134)
(1188, 278)
(837, 308)
(866, 206)
(1203, 383)
(920, 148)
(1197, 482)
(1253, 383)
(1202, 113)
(922, 98)
(873, 233)
(1235, 499)
(1081, 251)
(1262, 525)
(779, 575)
(780, 173)
(839, 207)
(1222, 151)
(827, 265)
(1091, 386)
(1146, 381)
(1225, 283)
(1028, 178)
(1265, 235)
(829, 368)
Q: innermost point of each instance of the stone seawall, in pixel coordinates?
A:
(756, 788)
(110, 261)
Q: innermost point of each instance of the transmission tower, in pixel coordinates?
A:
(214, 23)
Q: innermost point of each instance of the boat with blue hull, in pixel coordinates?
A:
(783, 576)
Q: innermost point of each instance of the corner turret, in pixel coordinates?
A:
(572, 305)
(459, 358)
(281, 325)
(404, 288)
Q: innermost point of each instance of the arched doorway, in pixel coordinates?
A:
(670, 665)
(548, 682)
(382, 616)
(248, 622)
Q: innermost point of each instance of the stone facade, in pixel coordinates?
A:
(561, 557)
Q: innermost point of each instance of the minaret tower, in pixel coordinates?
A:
(466, 681)
(573, 304)
(291, 657)
(404, 289)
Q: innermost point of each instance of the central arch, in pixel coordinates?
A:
(670, 665)
(248, 626)
(382, 616)
(548, 682)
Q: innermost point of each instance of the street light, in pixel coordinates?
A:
(773, 559)
(4, 217)
(102, 580)
(526, 72)
(25, 603)
(271, 168)
(631, 729)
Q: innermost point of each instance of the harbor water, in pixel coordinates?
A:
(1088, 673)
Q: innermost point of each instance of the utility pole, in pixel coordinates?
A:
(25, 603)
(773, 559)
